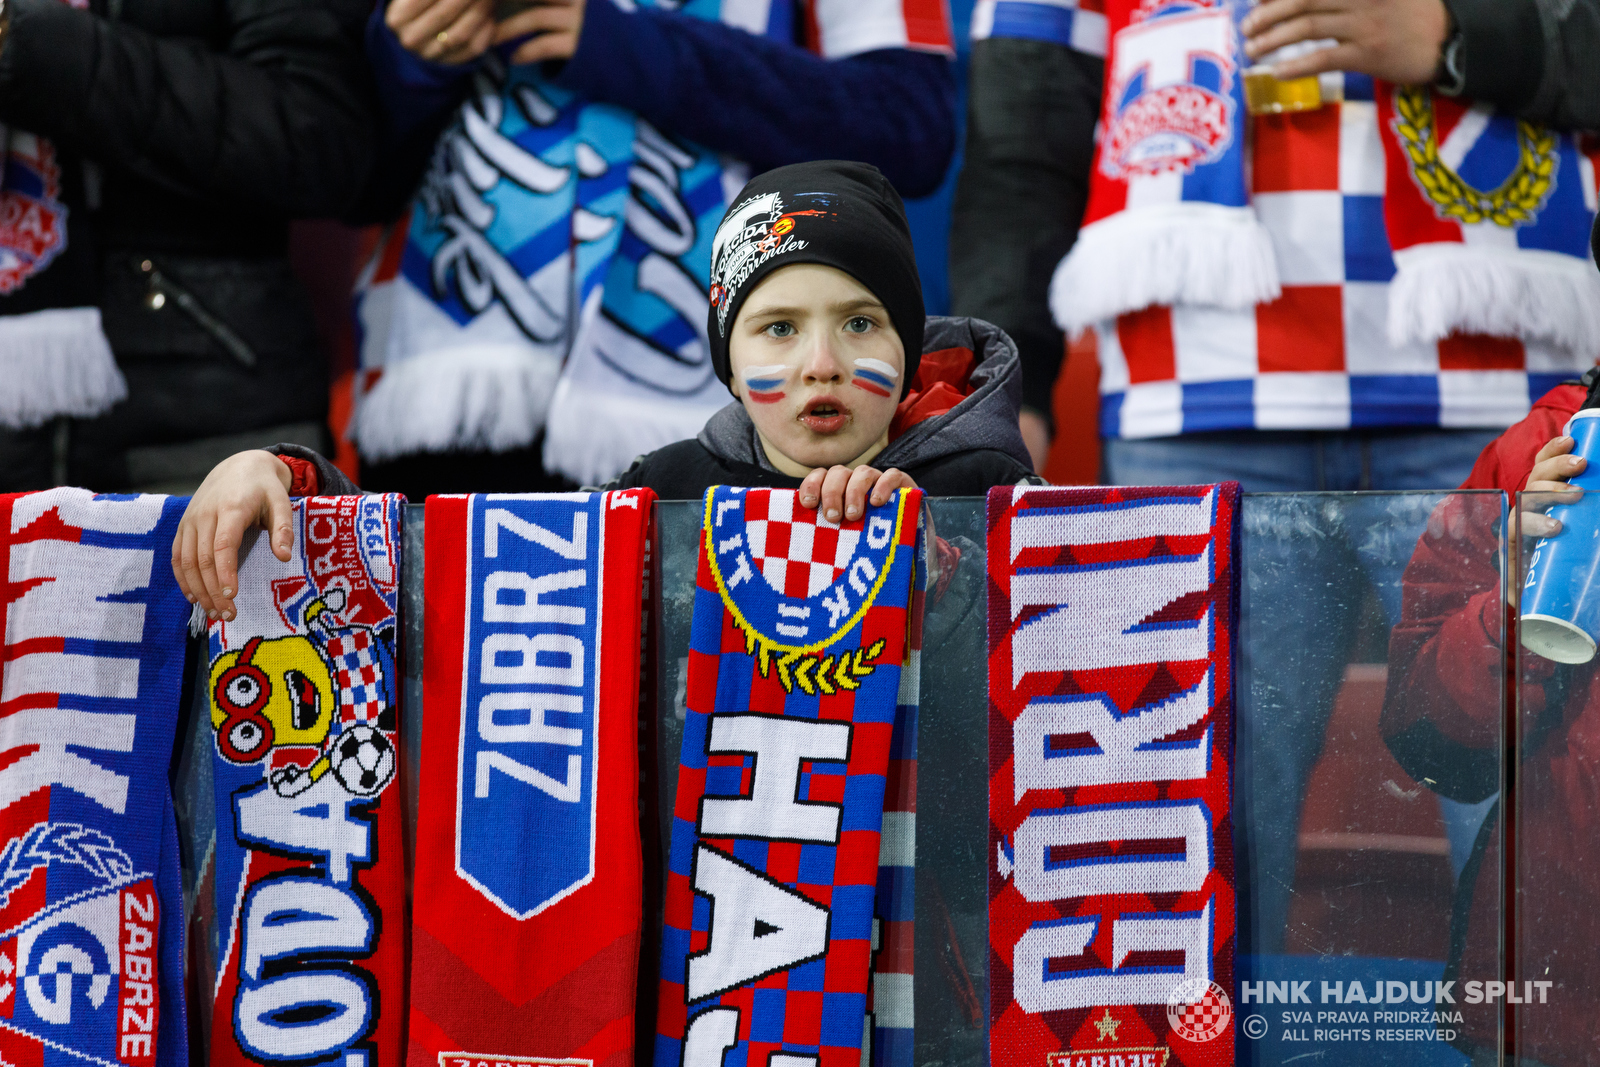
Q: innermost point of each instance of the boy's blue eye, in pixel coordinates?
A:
(781, 329)
(859, 324)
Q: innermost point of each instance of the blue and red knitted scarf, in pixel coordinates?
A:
(802, 636)
(91, 905)
(527, 907)
(1112, 617)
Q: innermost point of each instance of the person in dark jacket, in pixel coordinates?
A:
(816, 326)
(166, 145)
(541, 300)
(1034, 100)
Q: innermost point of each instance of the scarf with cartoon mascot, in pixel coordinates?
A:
(308, 867)
(801, 666)
(91, 899)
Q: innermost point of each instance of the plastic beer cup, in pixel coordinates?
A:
(1561, 596)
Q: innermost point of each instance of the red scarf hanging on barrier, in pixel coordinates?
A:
(1112, 617)
(800, 637)
(309, 867)
(526, 923)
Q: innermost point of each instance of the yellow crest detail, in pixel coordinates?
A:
(1518, 199)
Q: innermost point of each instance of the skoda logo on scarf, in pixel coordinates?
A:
(33, 220)
(796, 583)
(1170, 106)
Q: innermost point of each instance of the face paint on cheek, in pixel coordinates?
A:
(875, 376)
(764, 385)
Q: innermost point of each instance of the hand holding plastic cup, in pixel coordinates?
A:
(1561, 594)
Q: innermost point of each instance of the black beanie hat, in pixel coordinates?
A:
(832, 212)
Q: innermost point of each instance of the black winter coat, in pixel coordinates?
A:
(190, 133)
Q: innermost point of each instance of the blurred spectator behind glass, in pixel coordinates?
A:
(1244, 318)
(542, 305)
(156, 151)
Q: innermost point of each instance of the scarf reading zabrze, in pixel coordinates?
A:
(1111, 902)
(91, 906)
(797, 653)
(309, 871)
(525, 937)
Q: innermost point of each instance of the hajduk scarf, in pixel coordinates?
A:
(550, 232)
(527, 908)
(54, 357)
(1169, 218)
(797, 652)
(303, 689)
(1489, 217)
(91, 904)
(1111, 901)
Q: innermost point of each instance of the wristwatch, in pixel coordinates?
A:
(1451, 78)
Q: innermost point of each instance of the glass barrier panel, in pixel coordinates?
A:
(1363, 777)
(1368, 768)
(1551, 992)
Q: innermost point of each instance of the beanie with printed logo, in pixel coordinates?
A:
(832, 212)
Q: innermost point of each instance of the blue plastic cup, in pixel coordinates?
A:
(1561, 597)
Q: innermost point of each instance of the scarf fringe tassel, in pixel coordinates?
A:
(491, 397)
(1198, 254)
(572, 448)
(1440, 289)
(56, 362)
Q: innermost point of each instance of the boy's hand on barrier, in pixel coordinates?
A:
(443, 31)
(242, 491)
(841, 494)
(1553, 468)
(550, 26)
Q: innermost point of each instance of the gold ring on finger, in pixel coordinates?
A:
(443, 37)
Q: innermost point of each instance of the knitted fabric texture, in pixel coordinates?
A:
(890, 1005)
(1489, 218)
(91, 903)
(309, 868)
(796, 654)
(1111, 901)
(1169, 219)
(526, 924)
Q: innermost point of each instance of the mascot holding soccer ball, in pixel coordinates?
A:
(328, 688)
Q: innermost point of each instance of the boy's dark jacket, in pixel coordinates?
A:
(955, 433)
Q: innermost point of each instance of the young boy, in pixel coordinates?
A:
(816, 325)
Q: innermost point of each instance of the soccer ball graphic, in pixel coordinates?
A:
(363, 760)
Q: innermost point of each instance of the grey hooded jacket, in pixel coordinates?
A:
(970, 448)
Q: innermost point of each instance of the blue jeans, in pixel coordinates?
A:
(1305, 566)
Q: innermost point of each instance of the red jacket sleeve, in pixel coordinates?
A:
(1448, 654)
(303, 480)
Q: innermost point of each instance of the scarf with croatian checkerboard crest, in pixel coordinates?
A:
(801, 701)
